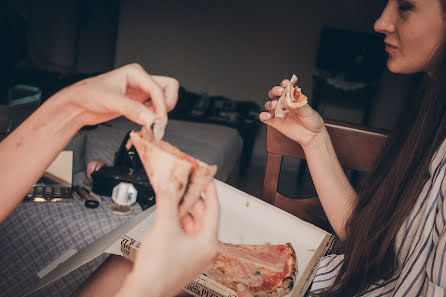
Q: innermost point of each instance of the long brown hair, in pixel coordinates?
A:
(387, 196)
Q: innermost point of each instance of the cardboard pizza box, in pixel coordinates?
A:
(61, 170)
(244, 220)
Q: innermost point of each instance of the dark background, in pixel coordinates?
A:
(235, 49)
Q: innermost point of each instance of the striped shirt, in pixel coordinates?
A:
(420, 245)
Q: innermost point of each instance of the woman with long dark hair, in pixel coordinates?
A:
(393, 228)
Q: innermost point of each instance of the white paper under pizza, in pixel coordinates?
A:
(244, 220)
(248, 220)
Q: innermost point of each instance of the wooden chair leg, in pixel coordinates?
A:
(271, 178)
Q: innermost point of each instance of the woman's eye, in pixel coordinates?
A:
(405, 6)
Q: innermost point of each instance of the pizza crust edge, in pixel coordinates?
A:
(288, 281)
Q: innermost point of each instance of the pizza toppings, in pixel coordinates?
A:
(296, 94)
(255, 268)
(292, 98)
(268, 257)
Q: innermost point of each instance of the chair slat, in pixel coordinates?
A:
(271, 179)
(357, 148)
(298, 207)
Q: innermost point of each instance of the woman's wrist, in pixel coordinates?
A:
(63, 102)
(318, 141)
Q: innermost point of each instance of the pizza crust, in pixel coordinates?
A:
(165, 168)
(162, 167)
(287, 282)
(288, 101)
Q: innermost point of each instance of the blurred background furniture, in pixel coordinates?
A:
(219, 110)
(349, 67)
(357, 148)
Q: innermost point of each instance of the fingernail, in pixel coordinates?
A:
(147, 117)
(264, 116)
(280, 89)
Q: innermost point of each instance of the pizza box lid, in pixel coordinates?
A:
(244, 219)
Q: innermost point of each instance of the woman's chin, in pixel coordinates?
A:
(401, 68)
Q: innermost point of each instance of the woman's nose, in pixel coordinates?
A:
(385, 23)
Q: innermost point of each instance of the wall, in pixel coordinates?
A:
(234, 48)
(77, 34)
(240, 49)
(52, 26)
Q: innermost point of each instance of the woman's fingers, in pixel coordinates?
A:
(188, 224)
(170, 87)
(131, 109)
(138, 78)
(265, 116)
(188, 203)
(284, 83)
(192, 221)
(275, 92)
(271, 105)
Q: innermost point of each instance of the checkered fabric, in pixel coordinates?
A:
(36, 234)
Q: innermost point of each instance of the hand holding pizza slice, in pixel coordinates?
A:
(172, 171)
(289, 113)
(263, 270)
(292, 98)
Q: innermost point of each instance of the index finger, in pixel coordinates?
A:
(170, 87)
(138, 78)
(284, 83)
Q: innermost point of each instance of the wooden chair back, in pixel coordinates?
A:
(357, 147)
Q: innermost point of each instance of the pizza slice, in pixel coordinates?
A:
(292, 98)
(263, 270)
(165, 165)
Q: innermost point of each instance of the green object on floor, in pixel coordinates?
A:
(23, 100)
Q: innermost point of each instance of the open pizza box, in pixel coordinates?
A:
(244, 220)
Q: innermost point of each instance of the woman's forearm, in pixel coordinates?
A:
(334, 190)
(32, 147)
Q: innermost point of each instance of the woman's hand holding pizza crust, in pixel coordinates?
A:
(302, 125)
(169, 251)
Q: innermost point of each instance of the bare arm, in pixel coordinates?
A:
(306, 127)
(333, 188)
(31, 148)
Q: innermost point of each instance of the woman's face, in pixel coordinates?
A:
(414, 29)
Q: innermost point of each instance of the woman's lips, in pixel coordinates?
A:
(390, 48)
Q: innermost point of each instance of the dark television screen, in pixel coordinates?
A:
(359, 55)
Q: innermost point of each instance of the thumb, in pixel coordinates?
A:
(271, 120)
(305, 111)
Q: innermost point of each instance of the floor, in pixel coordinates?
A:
(289, 182)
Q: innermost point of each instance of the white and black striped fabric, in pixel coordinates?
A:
(420, 245)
